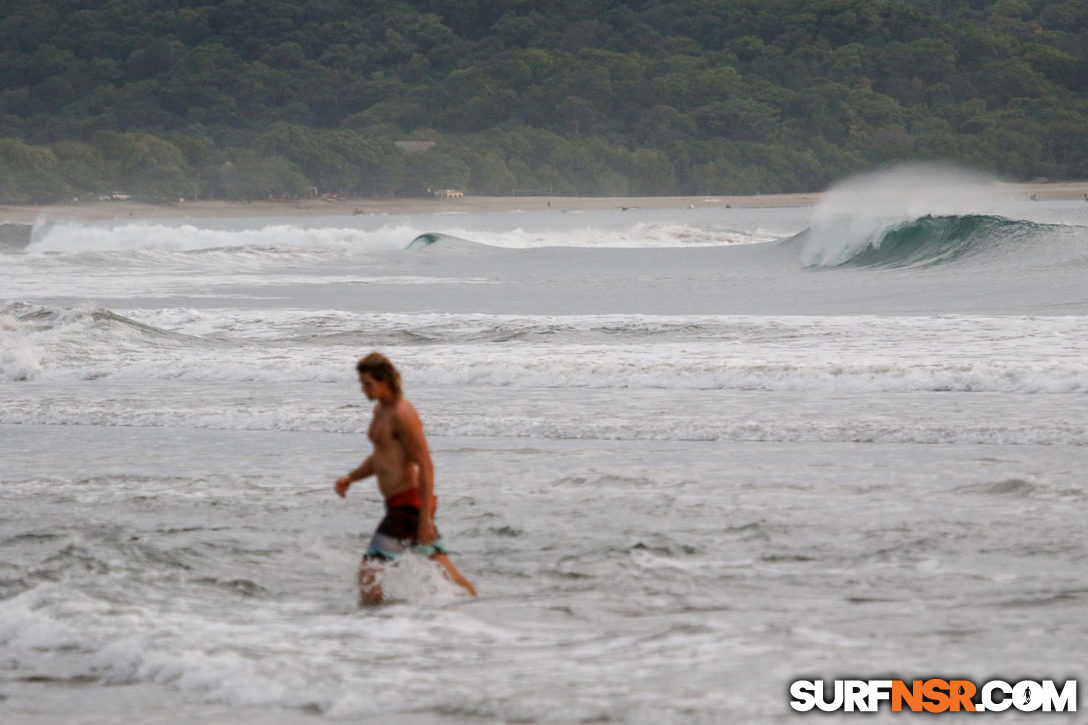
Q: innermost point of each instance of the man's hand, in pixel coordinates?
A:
(342, 484)
(426, 533)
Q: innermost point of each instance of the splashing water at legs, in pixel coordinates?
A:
(411, 578)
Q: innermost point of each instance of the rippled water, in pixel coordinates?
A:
(682, 469)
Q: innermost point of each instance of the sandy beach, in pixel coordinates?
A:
(106, 210)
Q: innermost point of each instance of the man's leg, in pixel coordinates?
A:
(452, 573)
(370, 583)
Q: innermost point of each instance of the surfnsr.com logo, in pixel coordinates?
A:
(933, 695)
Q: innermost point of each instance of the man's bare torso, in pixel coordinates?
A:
(394, 470)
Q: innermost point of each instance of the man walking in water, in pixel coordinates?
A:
(402, 463)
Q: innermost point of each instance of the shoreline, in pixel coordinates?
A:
(112, 210)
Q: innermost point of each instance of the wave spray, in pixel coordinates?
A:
(854, 215)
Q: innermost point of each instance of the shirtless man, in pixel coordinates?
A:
(402, 463)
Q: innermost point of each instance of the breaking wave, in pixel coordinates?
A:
(921, 215)
(921, 242)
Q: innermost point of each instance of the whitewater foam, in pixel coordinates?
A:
(95, 241)
(834, 354)
(637, 235)
(139, 236)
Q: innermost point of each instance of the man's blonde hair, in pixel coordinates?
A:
(378, 367)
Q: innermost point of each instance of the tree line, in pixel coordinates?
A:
(244, 99)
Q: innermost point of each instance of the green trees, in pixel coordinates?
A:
(336, 160)
(28, 173)
(252, 176)
(240, 98)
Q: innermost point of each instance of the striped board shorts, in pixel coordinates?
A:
(397, 534)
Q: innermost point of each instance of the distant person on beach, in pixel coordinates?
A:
(402, 463)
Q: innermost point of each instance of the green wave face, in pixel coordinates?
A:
(423, 241)
(932, 240)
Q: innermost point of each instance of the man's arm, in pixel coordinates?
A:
(410, 431)
(366, 468)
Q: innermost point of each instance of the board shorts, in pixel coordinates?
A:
(397, 532)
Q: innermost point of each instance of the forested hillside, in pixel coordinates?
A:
(246, 98)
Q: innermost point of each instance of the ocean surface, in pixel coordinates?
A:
(686, 457)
